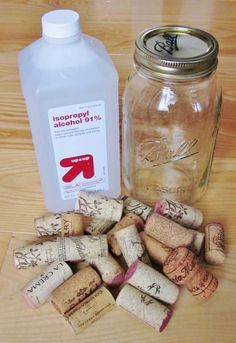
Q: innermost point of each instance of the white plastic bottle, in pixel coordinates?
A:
(71, 90)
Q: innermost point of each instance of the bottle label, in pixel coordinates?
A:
(78, 135)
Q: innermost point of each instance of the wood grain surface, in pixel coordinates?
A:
(116, 23)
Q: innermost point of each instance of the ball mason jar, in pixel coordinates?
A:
(171, 109)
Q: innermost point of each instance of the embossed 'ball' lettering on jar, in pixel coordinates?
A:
(171, 110)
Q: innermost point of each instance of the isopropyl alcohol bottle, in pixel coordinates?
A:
(70, 87)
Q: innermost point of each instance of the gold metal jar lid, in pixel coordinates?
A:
(176, 52)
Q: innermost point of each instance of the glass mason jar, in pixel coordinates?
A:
(171, 109)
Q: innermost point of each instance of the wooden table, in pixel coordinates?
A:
(116, 23)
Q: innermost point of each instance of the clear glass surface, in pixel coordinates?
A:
(169, 134)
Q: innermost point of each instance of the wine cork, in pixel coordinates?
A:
(37, 291)
(82, 247)
(202, 285)
(75, 289)
(91, 309)
(214, 243)
(136, 207)
(127, 220)
(36, 254)
(157, 251)
(151, 282)
(78, 265)
(99, 226)
(181, 265)
(144, 307)
(168, 232)
(93, 205)
(110, 270)
(180, 213)
(131, 245)
(197, 242)
(65, 224)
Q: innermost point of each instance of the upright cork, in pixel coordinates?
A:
(90, 310)
(157, 251)
(214, 243)
(110, 270)
(38, 290)
(168, 232)
(181, 265)
(151, 282)
(144, 307)
(75, 289)
(93, 205)
(127, 220)
(63, 224)
(82, 247)
(99, 226)
(131, 245)
(180, 213)
(36, 254)
(137, 207)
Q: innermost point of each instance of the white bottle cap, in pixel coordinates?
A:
(60, 24)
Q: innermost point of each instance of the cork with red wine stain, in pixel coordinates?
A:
(110, 270)
(38, 290)
(180, 213)
(152, 282)
(144, 307)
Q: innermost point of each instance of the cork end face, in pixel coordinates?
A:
(160, 206)
(117, 280)
(130, 272)
(215, 225)
(166, 320)
(28, 300)
(215, 257)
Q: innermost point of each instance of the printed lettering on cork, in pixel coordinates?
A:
(137, 207)
(75, 289)
(36, 254)
(214, 243)
(127, 220)
(64, 224)
(37, 291)
(180, 213)
(93, 205)
(144, 307)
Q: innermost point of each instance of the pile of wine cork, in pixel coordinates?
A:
(123, 248)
